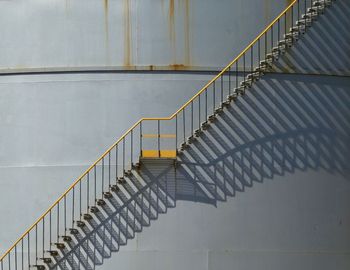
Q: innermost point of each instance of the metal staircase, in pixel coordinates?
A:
(114, 198)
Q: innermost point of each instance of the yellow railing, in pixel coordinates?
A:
(225, 72)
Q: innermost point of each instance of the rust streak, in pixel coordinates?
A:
(106, 15)
(127, 35)
(177, 67)
(187, 33)
(172, 33)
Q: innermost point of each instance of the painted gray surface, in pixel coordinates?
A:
(289, 208)
(299, 219)
(129, 33)
(52, 128)
(296, 219)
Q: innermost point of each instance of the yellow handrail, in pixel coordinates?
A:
(149, 119)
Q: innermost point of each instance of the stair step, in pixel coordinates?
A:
(101, 202)
(107, 195)
(311, 15)
(127, 173)
(53, 253)
(261, 70)
(73, 231)
(87, 217)
(115, 188)
(285, 42)
(66, 238)
(136, 166)
(198, 132)
(94, 209)
(325, 3)
(80, 223)
(265, 63)
(293, 35)
(278, 50)
(315, 9)
(232, 97)
(184, 145)
(121, 180)
(246, 83)
(60, 246)
(240, 90)
(39, 266)
(304, 22)
(218, 110)
(212, 118)
(254, 76)
(46, 260)
(271, 56)
(300, 29)
(191, 139)
(226, 103)
(205, 125)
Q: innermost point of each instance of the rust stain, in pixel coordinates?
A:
(172, 33)
(127, 35)
(187, 33)
(177, 67)
(106, 15)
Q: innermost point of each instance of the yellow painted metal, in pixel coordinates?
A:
(168, 154)
(158, 154)
(149, 119)
(166, 136)
(150, 153)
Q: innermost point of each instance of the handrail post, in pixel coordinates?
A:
(158, 137)
(131, 147)
(176, 132)
(141, 139)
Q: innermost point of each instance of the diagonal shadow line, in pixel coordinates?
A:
(220, 163)
(285, 136)
(91, 234)
(300, 58)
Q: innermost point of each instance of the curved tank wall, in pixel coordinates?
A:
(128, 34)
(53, 126)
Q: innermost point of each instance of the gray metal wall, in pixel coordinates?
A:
(53, 126)
(128, 34)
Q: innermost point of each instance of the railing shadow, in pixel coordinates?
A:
(325, 49)
(284, 124)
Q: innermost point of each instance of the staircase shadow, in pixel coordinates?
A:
(284, 124)
(325, 48)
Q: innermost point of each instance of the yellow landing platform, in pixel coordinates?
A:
(158, 154)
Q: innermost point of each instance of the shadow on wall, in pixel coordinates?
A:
(325, 49)
(285, 123)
